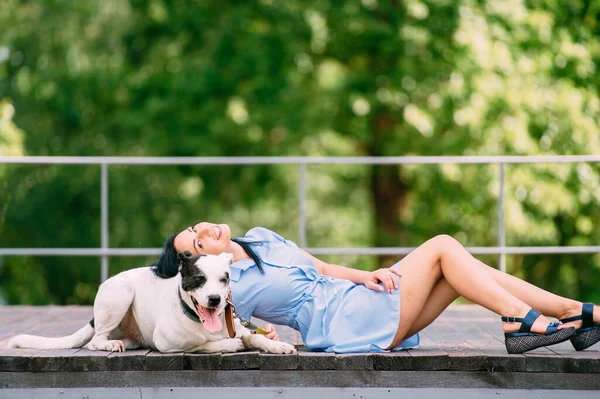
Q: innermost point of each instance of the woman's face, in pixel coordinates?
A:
(204, 238)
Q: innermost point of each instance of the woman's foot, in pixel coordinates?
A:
(586, 321)
(522, 334)
(575, 310)
(540, 325)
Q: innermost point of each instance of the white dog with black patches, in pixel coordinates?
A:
(185, 313)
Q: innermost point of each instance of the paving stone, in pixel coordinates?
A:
(429, 359)
(201, 361)
(361, 361)
(316, 361)
(544, 363)
(582, 362)
(51, 360)
(164, 361)
(240, 361)
(131, 360)
(392, 361)
(500, 361)
(87, 360)
(467, 359)
(16, 359)
(270, 361)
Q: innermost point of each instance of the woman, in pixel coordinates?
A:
(339, 309)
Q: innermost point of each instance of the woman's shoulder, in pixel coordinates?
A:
(269, 246)
(263, 234)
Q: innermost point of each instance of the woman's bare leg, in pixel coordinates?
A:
(442, 295)
(542, 300)
(443, 256)
(546, 302)
(549, 304)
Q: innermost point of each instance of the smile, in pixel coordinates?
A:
(217, 231)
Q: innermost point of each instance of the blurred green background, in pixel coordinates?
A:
(351, 78)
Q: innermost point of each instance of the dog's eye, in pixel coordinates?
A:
(225, 280)
(200, 280)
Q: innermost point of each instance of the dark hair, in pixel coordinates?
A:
(167, 265)
(247, 246)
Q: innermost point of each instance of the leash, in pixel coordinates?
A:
(250, 326)
(229, 317)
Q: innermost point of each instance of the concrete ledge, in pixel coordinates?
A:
(302, 378)
(83, 360)
(464, 348)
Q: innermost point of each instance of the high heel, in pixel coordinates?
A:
(589, 333)
(524, 340)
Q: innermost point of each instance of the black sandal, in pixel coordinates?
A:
(589, 333)
(524, 340)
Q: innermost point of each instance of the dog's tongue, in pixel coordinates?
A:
(211, 320)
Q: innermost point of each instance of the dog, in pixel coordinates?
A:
(185, 313)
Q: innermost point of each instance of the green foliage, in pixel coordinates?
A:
(183, 78)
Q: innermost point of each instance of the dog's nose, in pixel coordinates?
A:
(214, 300)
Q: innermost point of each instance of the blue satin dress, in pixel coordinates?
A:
(332, 315)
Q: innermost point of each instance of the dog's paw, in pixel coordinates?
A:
(106, 345)
(232, 345)
(114, 346)
(280, 347)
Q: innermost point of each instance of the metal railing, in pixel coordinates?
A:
(105, 251)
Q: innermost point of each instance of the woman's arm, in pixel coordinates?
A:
(369, 279)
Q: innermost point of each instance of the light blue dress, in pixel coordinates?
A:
(332, 315)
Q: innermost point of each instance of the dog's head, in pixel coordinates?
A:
(205, 279)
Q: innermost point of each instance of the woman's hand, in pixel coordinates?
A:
(385, 276)
(271, 333)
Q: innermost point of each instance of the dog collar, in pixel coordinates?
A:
(187, 310)
(192, 315)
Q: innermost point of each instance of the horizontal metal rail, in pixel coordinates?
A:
(301, 162)
(314, 251)
(400, 160)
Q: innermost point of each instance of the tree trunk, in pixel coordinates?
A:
(389, 193)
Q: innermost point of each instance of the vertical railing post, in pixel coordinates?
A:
(104, 220)
(501, 233)
(302, 205)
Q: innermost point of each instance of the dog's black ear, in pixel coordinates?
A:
(184, 256)
(184, 259)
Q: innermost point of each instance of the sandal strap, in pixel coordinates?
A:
(511, 319)
(552, 328)
(526, 322)
(570, 319)
(587, 315)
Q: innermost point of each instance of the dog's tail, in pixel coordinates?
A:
(76, 340)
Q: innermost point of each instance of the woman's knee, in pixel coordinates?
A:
(444, 241)
(447, 247)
